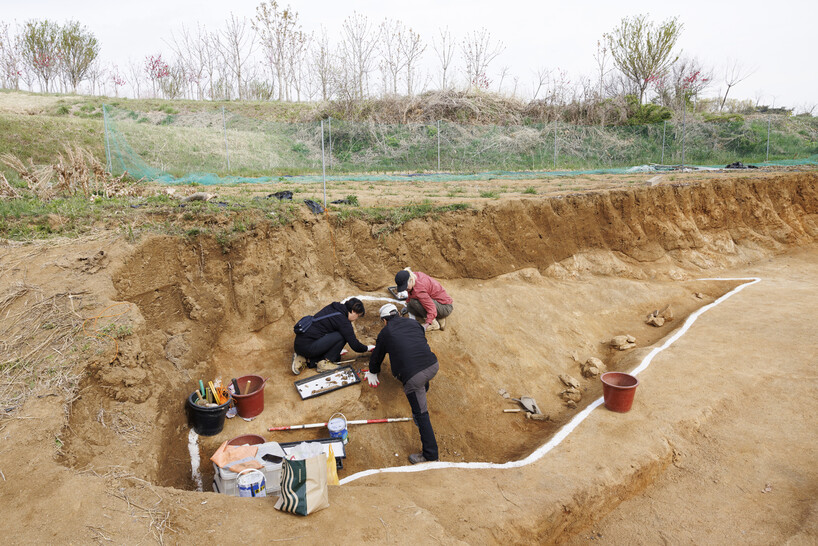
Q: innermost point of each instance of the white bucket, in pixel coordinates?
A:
(251, 483)
(338, 427)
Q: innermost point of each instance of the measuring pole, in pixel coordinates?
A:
(664, 130)
(360, 422)
(768, 139)
(109, 166)
(226, 149)
(323, 164)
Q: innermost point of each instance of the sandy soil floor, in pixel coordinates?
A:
(718, 447)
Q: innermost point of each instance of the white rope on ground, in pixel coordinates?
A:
(193, 448)
(578, 418)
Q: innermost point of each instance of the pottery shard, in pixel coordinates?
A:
(569, 381)
(667, 314)
(592, 367)
(623, 342)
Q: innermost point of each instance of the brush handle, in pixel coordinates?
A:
(235, 385)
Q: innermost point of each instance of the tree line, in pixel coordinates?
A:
(270, 56)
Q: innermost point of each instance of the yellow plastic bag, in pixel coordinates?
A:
(332, 469)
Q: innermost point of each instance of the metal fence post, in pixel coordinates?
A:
(329, 120)
(438, 145)
(226, 149)
(555, 144)
(664, 130)
(323, 164)
(768, 139)
(108, 166)
(684, 132)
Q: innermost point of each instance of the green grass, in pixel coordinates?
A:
(394, 217)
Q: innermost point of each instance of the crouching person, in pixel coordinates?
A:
(414, 365)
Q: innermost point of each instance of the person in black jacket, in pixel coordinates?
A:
(320, 346)
(414, 365)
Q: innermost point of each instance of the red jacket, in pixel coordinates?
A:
(428, 291)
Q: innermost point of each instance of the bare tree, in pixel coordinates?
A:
(283, 42)
(542, 76)
(504, 71)
(135, 70)
(392, 61)
(358, 45)
(642, 51)
(478, 52)
(601, 58)
(734, 74)
(322, 63)
(412, 48)
(445, 51)
(236, 49)
(192, 51)
(10, 59)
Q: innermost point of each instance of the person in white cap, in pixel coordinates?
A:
(414, 364)
(426, 298)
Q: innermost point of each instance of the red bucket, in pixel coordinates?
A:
(249, 439)
(618, 389)
(251, 400)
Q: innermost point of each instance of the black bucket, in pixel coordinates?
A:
(206, 421)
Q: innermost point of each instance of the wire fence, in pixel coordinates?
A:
(219, 146)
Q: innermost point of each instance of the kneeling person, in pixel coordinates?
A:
(414, 365)
(320, 346)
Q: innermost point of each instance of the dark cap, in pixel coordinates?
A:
(402, 280)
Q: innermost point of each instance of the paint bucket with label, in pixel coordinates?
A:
(338, 427)
(617, 390)
(251, 483)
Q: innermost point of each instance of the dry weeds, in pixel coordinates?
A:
(76, 170)
(37, 336)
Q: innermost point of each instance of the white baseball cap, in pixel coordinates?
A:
(388, 309)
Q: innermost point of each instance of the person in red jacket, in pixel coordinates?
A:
(427, 300)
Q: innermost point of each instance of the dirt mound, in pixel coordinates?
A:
(540, 286)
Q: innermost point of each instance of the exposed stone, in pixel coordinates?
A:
(623, 342)
(592, 367)
(655, 321)
(569, 381)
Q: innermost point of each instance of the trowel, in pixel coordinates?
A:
(528, 403)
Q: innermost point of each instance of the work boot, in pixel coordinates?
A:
(299, 363)
(435, 325)
(442, 322)
(326, 366)
(416, 458)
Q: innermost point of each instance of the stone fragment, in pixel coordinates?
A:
(571, 394)
(569, 381)
(592, 367)
(655, 321)
(623, 342)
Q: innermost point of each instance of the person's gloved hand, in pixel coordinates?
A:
(344, 352)
(370, 348)
(403, 295)
(372, 379)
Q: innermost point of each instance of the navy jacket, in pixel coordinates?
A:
(338, 323)
(404, 340)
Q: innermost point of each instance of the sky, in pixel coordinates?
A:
(775, 42)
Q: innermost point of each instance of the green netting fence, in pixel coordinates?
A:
(218, 147)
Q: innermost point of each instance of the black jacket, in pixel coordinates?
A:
(338, 323)
(404, 340)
